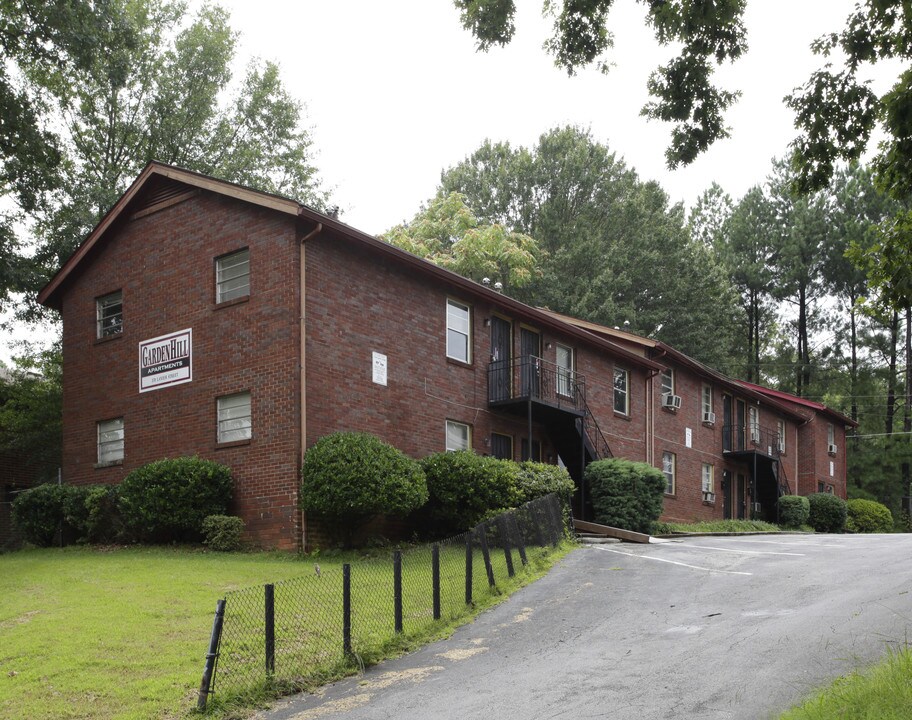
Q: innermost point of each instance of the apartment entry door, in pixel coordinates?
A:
(530, 347)
(740, 493)
(501, 376)
(727, 495)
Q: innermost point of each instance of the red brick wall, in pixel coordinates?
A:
(164, 264)
(359, 303)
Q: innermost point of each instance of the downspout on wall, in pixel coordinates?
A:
(302, 363)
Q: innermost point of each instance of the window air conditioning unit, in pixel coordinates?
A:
(831, 449)
(709, 418)
(671, 401)
(755, 435)
(709, 497)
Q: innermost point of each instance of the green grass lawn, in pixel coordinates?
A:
(729, 526)
(883, 692)
(123, 632)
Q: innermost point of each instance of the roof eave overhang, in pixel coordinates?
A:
(50, 293)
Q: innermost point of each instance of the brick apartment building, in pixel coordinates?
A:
(200, 317)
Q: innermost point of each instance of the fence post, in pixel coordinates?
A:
(505, 543)
(435, 579)
(468, 569)
(485, 553)
(209, 670)
(397, 590)
(346, 610)
(517, 536)
(270, 627)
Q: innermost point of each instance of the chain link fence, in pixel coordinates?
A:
(296, 633)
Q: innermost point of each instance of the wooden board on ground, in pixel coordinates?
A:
(609, 531)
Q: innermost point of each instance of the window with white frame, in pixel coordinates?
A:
(668, 470)
(111, 441)
(780, 432)
(459, 333)
(232, 276)
(706, 403)
(621, 391)
(668, 382)
(234, 418)
(564, 370)
(753, 415)
(707, 476)
(831, 439)
(109, 315)
(458, 436)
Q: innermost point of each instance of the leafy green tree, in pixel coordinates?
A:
(741, 237)
(705, 35)
(165, 95)
(36, 40)
(30, 411)
(615, 250)
(447, 233)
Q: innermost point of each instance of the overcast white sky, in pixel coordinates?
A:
(396, 92)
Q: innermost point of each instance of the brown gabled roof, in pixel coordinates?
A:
(816, 406)
(755, 392)
(50, 295)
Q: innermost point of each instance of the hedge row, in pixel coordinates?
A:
(164, 501)
(356, 475)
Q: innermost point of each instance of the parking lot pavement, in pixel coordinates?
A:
(709, 627)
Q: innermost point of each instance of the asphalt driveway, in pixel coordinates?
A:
(734, 627)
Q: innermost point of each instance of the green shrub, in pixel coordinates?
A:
(625, 494)
(356, 475)
(868, 516)
(223, 532)
(166, 500)
(466, 488)
(828, 513)
(39, 512)
(536, 480)
(92, 512)
(794, 511)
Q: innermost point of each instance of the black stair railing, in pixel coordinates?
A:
(589, 428)
(782, 479)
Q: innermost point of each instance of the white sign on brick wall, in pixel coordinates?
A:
(379, 368)
(166, 360)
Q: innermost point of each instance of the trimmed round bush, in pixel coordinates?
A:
(537, 479)
(39, 512)
(794, 511)
(627, 495)
(222, 532)
(356, 475)
(868, 516)
(167, 500)
(827, 513)
(466, 488)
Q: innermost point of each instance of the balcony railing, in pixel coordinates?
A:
(532, 378)
(737, 438)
